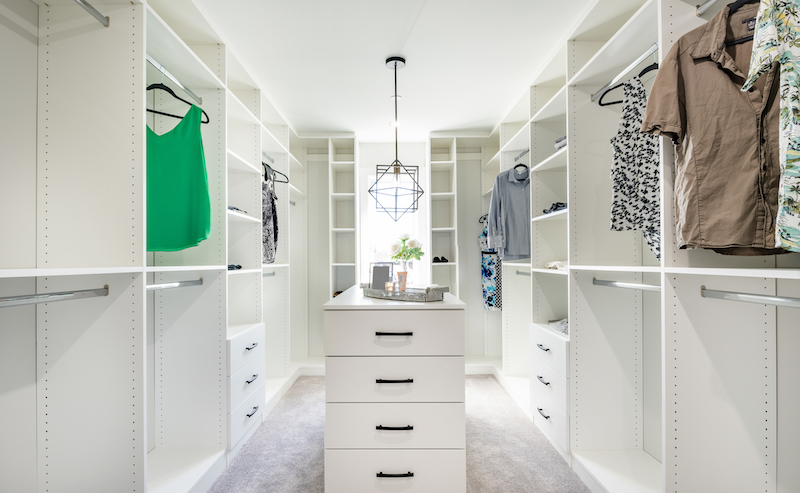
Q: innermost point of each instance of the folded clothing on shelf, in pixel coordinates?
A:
(561, 143)
(234, 267)
(557, 264)
(560, 325)
(557, 206)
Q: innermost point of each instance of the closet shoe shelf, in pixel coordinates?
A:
(553, 216)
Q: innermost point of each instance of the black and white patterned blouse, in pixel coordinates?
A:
(269, 219)
(636, 200)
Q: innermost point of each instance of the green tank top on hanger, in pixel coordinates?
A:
(178, 205)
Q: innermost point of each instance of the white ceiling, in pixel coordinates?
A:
(322, 62)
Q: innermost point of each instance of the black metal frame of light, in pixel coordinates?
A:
(389, 198)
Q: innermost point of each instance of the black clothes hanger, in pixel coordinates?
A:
(483, 218)
(739, 4)
(172, 93)
(649, 68)
(268, 170)
(521, 164)
(739, 41)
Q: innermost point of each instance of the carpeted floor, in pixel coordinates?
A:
(506, 453)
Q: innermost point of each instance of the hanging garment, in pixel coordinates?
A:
(178, 204)
(636, 189)
(269, 219)
(491, 275)
(775, 40)
(727, 168)
(509, 218)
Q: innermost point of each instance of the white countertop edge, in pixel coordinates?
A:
(354, 299)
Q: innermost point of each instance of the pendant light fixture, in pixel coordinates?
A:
(396, 189)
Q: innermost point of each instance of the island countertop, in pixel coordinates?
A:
(354, 299)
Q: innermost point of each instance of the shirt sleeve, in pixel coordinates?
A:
(766, 43)
(666, 111)
(494, 226)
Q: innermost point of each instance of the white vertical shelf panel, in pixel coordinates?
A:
(82, 220)
(788, 354)
(90, 385)
(276, 320)
(516, 319)
(721, 410)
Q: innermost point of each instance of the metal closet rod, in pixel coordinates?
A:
(522, 154)
(268, 274)
(33, 299)
(653, 48)
(97, 15)
(701, 9)
(174, 79)
(267, 157)
(626, 285)
(173, 285)
(759, 299)
(523, 273)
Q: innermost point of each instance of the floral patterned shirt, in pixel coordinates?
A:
(777, 39)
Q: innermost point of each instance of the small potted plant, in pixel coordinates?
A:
(404, 250)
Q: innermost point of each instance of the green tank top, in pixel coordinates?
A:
(178, 205)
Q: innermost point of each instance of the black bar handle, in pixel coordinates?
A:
(253, 346)
(252, 379)
(540, 412)
(409, 474)
(255, 410)
(394, 428)
(407, 380)
(394, 334)
(542, 380)
(542, 347)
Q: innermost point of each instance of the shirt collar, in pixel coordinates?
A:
(712, 42)
(512, 177)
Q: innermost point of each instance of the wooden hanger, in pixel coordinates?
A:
(172, 93)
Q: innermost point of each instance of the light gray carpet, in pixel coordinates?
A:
(506, 453)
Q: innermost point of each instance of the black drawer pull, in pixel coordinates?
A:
(394, 334)
(255, 410)
(407, 380)
(394, 428)
(542, 347)
(250, 348)
(404, 475)
(540, 412)
(542, 380)
(252, 379)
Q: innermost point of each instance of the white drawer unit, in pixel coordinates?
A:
(549, 347)
(245, 381)
(394, 379)
(394, 333)
(549, 383)
(407, 426)
(549, 419)
(246, 415)
(245, 346)
(409, 471)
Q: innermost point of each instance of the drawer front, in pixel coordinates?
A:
(434, 426)
(435, 471)
(435, 379)
(239, 421)
(245, 347)
(550, 348)
(550, 384)
(555, 424)
(238, 388)
(369, 333)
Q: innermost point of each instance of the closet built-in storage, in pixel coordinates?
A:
(444, 213)
(342, 213)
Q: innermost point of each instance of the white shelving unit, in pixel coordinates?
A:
(343, 209)
(443, 240)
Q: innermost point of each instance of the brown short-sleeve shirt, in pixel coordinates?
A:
(728, 168)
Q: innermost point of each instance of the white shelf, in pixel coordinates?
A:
(90, 271)
(555, 108)
(517, 264)
(435, 230)
(237, 164)
(238, 217)
(438, 264)
(238, 112)
(343, 264)
(442, 165)
(494, 160)
(616, 268)
(556, 162)
(343, 165)
(546, 326)
(179, 469)
(343, 197)
(294, 162)
(270, 144)
(443, 196)
(521, 140)
(557, 272)
(622, 471)
(723, 272)
(183, 268)
(234, 330)
(343, 230)
(296, 190)
(274, 266)
(241, 272)
(553, 216)
(488, 192)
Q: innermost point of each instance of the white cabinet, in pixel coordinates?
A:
(395, 418)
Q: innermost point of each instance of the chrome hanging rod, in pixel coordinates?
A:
(759, 299)
(267, 157)
(174, 79)
(269, 274)
(701, 9)
(653, 48)
(626, 285)
(523, 273)
(97, 15)
(33, 299)
(292, 202)
(173, 285)
(522, 154)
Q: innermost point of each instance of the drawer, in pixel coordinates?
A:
(550, 347)
(368, 333)
(435, 379)
(555, 424)
(435, 471)
(550, 384)
(239, 421)
(434, 426)
(238, 388)
(244, 347)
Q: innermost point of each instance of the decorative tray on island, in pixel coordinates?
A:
(429, 293)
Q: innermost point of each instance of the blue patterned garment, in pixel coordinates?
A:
(491, 275)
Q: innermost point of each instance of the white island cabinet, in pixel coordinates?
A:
(394, 395)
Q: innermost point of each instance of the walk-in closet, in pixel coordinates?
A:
(200, 319)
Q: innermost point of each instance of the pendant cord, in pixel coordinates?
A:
(396, 123)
